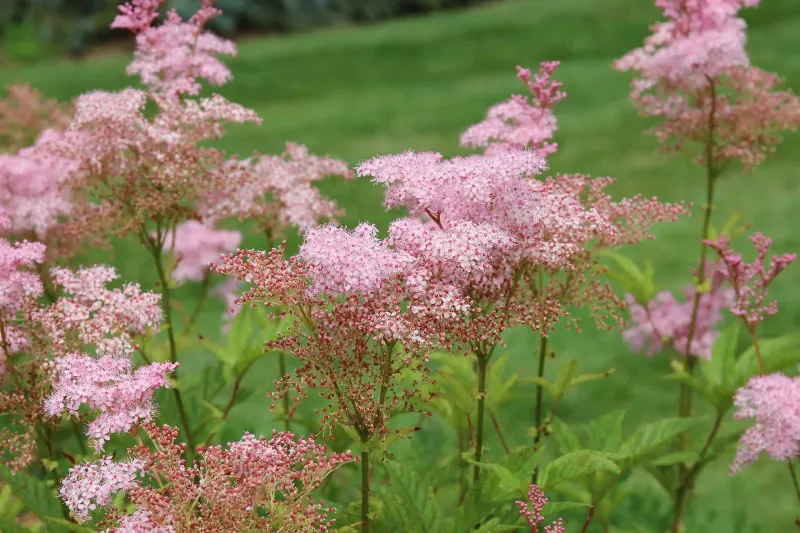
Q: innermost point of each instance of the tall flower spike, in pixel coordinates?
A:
(195, 246)
(171, 58)
(517, 123)
(751, 281)
(774, 402)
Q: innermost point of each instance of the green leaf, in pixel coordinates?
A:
(649, 438)
(414, 505)
(497, 385)
(564, 377)
(778, 353)
(574, 465)
(605, 433)
(509, 481)
(586, 378)
(720, 370)
(634, 280)
(494, 526)
(676, 458)
(36, 494)
(552, 508)
(566, 439)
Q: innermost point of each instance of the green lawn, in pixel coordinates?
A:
(417, 84)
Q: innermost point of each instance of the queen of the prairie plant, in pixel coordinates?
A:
(694, 73)
(25, 114)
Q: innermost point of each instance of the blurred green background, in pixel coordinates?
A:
(417, 83)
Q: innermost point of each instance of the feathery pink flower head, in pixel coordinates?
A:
(343, 262)
(196, 246)
(276, 191)
(172, 57)
(121, 397)
(517, 123)
(532, 509)
(32, 189)
(774, 402)
(17, 283)
(665, 320)
(91, 486)
(751, 281)
(701, 39)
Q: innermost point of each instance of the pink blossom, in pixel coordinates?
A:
(276, 191)
(667, 321)
(104, 318)
(532, 511)
(196, 246)
(774, 402)
(459, 188)
(120, 396)
(517, 123)
(16, 282)
(457, 254)
(751, 281)
(343, 262)
(141, 521)
(701, 39)
(171, 58)
(32, 189)
(90, 486)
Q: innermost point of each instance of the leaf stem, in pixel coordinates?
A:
(483, 362)
(364, 491)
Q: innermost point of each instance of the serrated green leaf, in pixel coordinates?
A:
(636, 281)
(494, 526)
(413, 504)
(649, 438)
(566, 439)
(675, 459)
(605, 433)
(37, 495)
(552, 508)
(574, 465)
(509, 481)
(778, 353)
(564, 377)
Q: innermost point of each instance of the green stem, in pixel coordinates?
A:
(483, 362)
(364, 491)
(794, 480)
(589, 517)
(236, 383)
(173, 348)
(539, 397)
(685, 401)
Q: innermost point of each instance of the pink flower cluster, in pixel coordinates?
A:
(774, 402)
(694, 72)
(701, 39)
(223, 490)
(532, 511)
(275, 191)
(90, 314)
(171, 58)
(121, 397)
(195, 246)
(91, 486)
(33, 190)
(751, 281)
(517, 123)
(666, 321)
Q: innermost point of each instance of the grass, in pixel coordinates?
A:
(417, 84)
